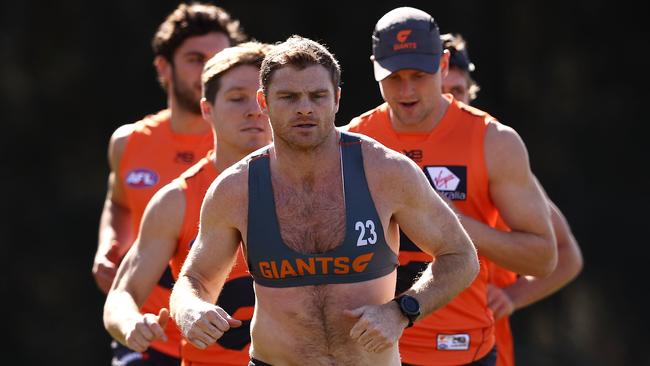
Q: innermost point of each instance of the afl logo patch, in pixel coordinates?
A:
(141, 178)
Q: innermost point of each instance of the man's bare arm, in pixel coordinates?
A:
(436, 230)
(528, 289)
(115, 231)
(208, 263)
(529, 248)
(141, 269)
(401, 190)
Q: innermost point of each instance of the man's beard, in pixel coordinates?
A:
(185, 96)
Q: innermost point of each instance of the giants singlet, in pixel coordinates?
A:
(502, 277)
(237, 296)
(452, 157)
(153, 157)
(364, 254)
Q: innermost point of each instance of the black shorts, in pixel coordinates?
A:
(124, 356)
(490, 359)
(254, 362)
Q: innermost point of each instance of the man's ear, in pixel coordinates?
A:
(444, 63)
(261, 101)
(206, 109)
(337, 97)
(163, 69)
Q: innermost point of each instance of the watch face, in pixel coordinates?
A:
(410, 305)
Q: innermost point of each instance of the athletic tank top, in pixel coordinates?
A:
(153, 157)
(364, 254)
(452, 158)
(237, 296)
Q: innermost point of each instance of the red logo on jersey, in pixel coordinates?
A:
(141, 178)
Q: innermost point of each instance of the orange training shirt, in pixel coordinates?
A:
(452, 158)
(237, 296)
(154, 155)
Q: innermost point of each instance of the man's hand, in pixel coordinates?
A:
(378, 327)
(149, 328)
(499, 302)
(202, 327)
(105, 267)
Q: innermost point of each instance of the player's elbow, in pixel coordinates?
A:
(108, 319)
(548, 258)
(574, 262)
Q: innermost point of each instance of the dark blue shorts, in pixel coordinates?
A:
(254, 362)
(490, 359)
(124, 356)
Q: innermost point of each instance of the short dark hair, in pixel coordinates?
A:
(191, 20)
(299, 52)
(248, 53)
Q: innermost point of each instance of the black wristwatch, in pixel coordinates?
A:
(409, 306)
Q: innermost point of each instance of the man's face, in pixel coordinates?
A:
(411, 94)
(302, 105)
(188, 63)
(457, 83)
(235, 115)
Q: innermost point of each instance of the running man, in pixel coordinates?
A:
(316, 213)
(146, 155)
(478, 164)
(170, 222)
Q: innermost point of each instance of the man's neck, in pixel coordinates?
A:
(184, 122)
(225, 156)
(427, 124)
(296, 164)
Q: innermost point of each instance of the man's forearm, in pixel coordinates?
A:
(443, 279)
(115, 226)
(521, 252)
(120, 312)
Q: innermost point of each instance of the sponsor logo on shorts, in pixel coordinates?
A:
(450, 181)
(453, 342)
(141, 178)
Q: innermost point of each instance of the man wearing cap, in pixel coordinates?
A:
(317, 215)
(477, 164)
(508, 292)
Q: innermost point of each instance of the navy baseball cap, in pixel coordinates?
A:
(405, 38)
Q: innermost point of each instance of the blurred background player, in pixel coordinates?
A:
(477, 163)
(507, 291)
(145, 155)
(170, 222)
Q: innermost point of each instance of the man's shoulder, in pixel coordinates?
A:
(151, 122)
(472, 114)
(368, 120)
(145, 126)
(379, 156)
(197, 172)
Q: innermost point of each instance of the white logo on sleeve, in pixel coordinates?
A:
(443, 178)
(453, 342)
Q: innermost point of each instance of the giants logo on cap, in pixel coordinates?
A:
(402, 36)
